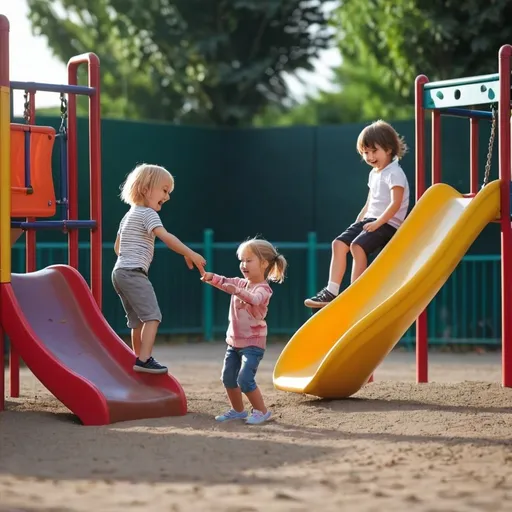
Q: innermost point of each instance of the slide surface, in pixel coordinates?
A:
(335, 352)
(56, 327)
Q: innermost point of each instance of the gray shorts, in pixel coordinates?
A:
(137, 296)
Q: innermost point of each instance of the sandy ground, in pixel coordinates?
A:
(395, 446)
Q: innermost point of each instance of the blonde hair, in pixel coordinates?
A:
(265, 251)
(385, 136)
(143, 178)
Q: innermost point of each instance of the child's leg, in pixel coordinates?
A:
(340, 249)
(256, 399)
(148, 335)
(143, 312)
(368, 242)
(360, 262)
(251, 357)
(230, 370)
(133, 320)
(338, 265)
(235, 399)
(136, 339)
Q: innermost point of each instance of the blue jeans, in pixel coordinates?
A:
(240, 366)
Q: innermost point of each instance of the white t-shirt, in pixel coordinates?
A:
(380, 184)
(136, 238)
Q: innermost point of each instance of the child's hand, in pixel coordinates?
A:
(195, 259)
(228, 287)
(371, 226)
(189, 263)
(207, 277)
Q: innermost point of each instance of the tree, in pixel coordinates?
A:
(361, 96)
(440, 38)
(385, 44)
(189, 61)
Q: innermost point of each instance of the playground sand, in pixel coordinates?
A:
(395, 446)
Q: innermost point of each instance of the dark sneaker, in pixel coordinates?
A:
(150, 366)
(321, 299)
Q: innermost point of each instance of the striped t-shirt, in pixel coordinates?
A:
(136, 238)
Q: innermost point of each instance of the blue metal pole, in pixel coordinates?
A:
(27, 160)
(464, 112)
(54, 224)
(63, 200)
(43, 87)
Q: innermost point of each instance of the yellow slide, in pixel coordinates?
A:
(335, 352)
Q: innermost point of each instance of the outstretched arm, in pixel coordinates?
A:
(219, 281)
(233, 286)
(176, 245)
(255, 297)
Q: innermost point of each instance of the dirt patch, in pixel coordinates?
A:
(443, 446)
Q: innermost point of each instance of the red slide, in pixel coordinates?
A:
(55, 325)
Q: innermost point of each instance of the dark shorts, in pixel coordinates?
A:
(369, 242)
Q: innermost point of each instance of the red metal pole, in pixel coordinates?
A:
(2, 368)
(473, 157)
(95, 166)
(506, 227)
(72, 171)
(4, 82)
(95, 177)
(30, 266)
(421, 322)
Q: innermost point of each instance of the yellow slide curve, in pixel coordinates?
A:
(336, 351)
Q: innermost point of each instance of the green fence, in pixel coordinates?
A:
(301, 178)
(466, 310)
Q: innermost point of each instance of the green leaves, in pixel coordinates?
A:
(209, 61)
(385, 44)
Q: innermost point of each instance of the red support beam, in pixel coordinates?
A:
(93, 66)
(421, 321)
(506, 228)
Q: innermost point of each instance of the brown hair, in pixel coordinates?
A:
(265, 251)
(382, 134)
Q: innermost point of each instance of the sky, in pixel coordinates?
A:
(32, 60)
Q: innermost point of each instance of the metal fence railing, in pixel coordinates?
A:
(466, 310)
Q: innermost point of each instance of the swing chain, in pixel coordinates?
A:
(26, 107)
(489, 150)
(63, 113)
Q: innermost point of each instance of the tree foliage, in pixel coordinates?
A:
(440, 38)
(190, 61)
(385, 44)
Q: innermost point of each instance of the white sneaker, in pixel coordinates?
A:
(232, 415)
(258, 417)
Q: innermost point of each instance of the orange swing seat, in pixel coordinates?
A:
(38, 200)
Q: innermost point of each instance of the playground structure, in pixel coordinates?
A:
(53, 319)
(337, 350)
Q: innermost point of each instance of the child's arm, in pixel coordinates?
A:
(255, 297)
(219, 281)
(116, 245)
(232, 286)
(397, 194)
(176, 245)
